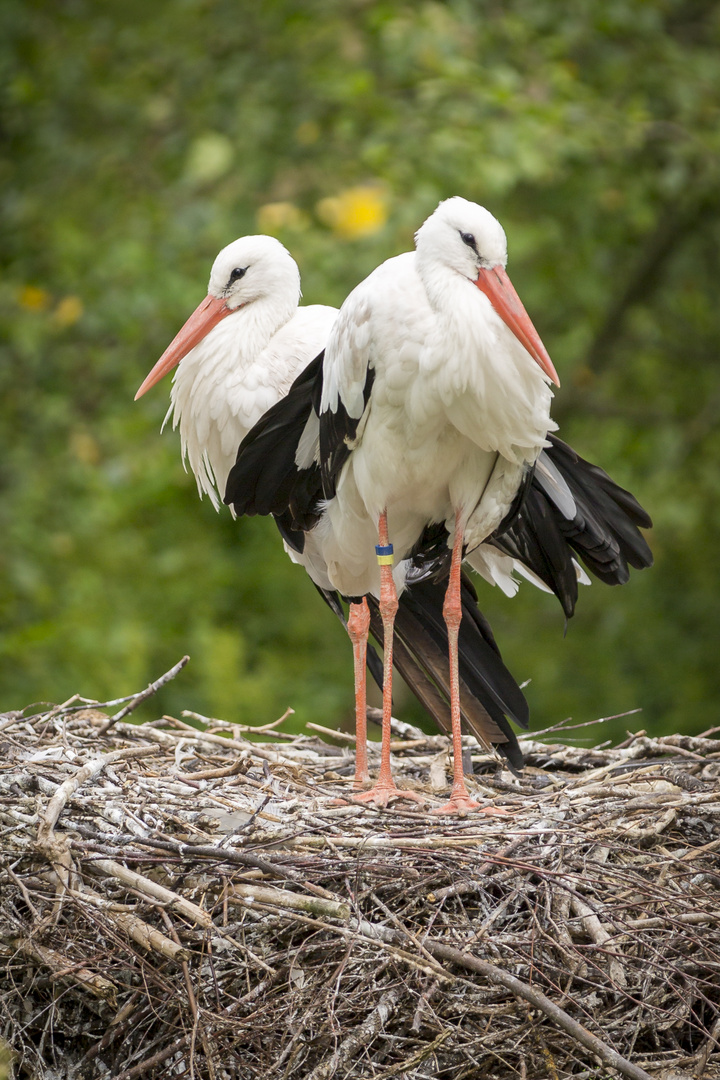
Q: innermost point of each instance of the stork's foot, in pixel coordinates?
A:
(462, 804)
(381, 794)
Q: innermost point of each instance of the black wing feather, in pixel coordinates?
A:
(265, 478)
(535, 537)
(337, 433)
(604, 533)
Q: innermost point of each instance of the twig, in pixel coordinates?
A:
(157, 1059)
(152, 889)
(594, 929)
(565, 725)
(259, 894)
(361, 1037)
(544, 1004)
(143, 695)
(213, 774)
(62, 967)
(141, 932)
(336, 733)
(348, 737)
(253, 729)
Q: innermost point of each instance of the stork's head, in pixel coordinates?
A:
(465, 238)
(250, 269)
(462, 236)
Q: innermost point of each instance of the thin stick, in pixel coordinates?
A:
(230, 855)
(262, 894)
(149, 1063)
(62, 967)
(544, 1004)
(143, 695)
(564, 725)
(361, 1037)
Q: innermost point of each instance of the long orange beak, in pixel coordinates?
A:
(200, 323)
(500, 291)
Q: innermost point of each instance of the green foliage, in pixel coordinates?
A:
(141, 138)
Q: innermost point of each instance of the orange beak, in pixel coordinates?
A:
(200, 323)
(500, 291)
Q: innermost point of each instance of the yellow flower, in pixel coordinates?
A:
(68, 311)
(357, 211)
(280, 215)
(33, 299)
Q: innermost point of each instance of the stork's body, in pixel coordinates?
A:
(437, 359)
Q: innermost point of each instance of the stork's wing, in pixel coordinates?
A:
(347, 379)
(338, 430)
(293, 456)
(601, 523)
(277, 470)
(565, 507)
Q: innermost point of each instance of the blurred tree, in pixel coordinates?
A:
(139, 139)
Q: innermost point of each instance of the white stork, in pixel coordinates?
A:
(236, 356)
(431, 410)
(240, 349)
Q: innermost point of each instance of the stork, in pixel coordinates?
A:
(428, 424)
(236, 356)
(240, 349)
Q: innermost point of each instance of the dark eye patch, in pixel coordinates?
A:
(237, 273)
(469, 239)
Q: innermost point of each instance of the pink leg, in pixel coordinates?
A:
(358, 626)
(460, 801)
(385, 788)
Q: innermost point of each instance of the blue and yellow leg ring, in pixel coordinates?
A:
(384, 554)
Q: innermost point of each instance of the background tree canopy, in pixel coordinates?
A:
(141, 138)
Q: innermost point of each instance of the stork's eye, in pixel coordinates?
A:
(469, 239)
(237, 273)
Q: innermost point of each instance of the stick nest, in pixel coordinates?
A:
(179, 902)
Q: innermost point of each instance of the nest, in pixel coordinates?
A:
(179, 901)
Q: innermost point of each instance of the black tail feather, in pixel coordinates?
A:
(489, 694)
